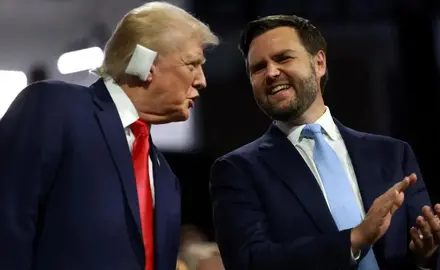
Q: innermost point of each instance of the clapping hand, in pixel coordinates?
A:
(425, 236)
(378, 218)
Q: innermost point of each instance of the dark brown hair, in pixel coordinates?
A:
(311, 38)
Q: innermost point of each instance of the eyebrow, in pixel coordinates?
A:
(195, 59)
(273, 57)
(201, 61)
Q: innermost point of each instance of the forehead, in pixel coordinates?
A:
(274, 41)
(187, 51)
(192, 49)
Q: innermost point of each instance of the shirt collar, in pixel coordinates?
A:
(326, 122)
(126, 110)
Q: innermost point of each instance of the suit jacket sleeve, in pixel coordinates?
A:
(28, 140)
(241, 230)
(416, 196)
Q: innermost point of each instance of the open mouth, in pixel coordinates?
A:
(191, 104)
(279, 88)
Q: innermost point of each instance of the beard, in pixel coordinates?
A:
(306, 90)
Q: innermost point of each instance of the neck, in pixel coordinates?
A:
(312, 114)
(153, 119)
(138, 95)
(144, 108)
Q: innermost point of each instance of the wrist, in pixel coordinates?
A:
(425, 259)
(356, 241)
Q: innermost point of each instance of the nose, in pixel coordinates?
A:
(272, 71)
(200, 80)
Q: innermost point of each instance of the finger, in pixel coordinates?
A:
(428, 239)
(398, 201)
(391, 204)
(386, 202)
(391, 193)
(437, 210)
(412, 179)
(429, 215)
(416, 238)
(393, 198)
(406, 182)
(432, 221)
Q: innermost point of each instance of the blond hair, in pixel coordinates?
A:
(159, 26)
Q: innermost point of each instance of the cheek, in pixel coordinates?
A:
(298, 71)
(183, 81)
(168, 91)
(171, 87)
(257, 85)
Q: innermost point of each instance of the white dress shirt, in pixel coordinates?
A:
(128, 114)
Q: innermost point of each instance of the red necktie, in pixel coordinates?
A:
(140, 152)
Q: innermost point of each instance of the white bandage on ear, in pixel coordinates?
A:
(141, 62)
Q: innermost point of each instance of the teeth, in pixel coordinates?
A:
(279, 88)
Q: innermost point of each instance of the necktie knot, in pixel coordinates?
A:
(139, 128)
(311, 130)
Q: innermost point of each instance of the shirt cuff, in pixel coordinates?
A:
(355, 257)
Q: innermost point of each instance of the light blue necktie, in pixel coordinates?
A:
(340, 196)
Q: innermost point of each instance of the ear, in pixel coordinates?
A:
(320, 64)
(153, 71)
(248, 71)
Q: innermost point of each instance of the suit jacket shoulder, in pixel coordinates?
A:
(381, 144)
(379, 138)
(246, 151)
(55, 89)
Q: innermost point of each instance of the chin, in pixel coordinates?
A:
(183, 116)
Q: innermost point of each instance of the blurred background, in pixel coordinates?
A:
(383, 59)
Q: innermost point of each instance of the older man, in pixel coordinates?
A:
(81, 184)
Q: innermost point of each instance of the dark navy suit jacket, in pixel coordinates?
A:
(270, 214)
(68, 197)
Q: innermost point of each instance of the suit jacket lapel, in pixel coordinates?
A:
(114, 134)
(286, 162)
(161, 186)
(363, 156)
(167, 200)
